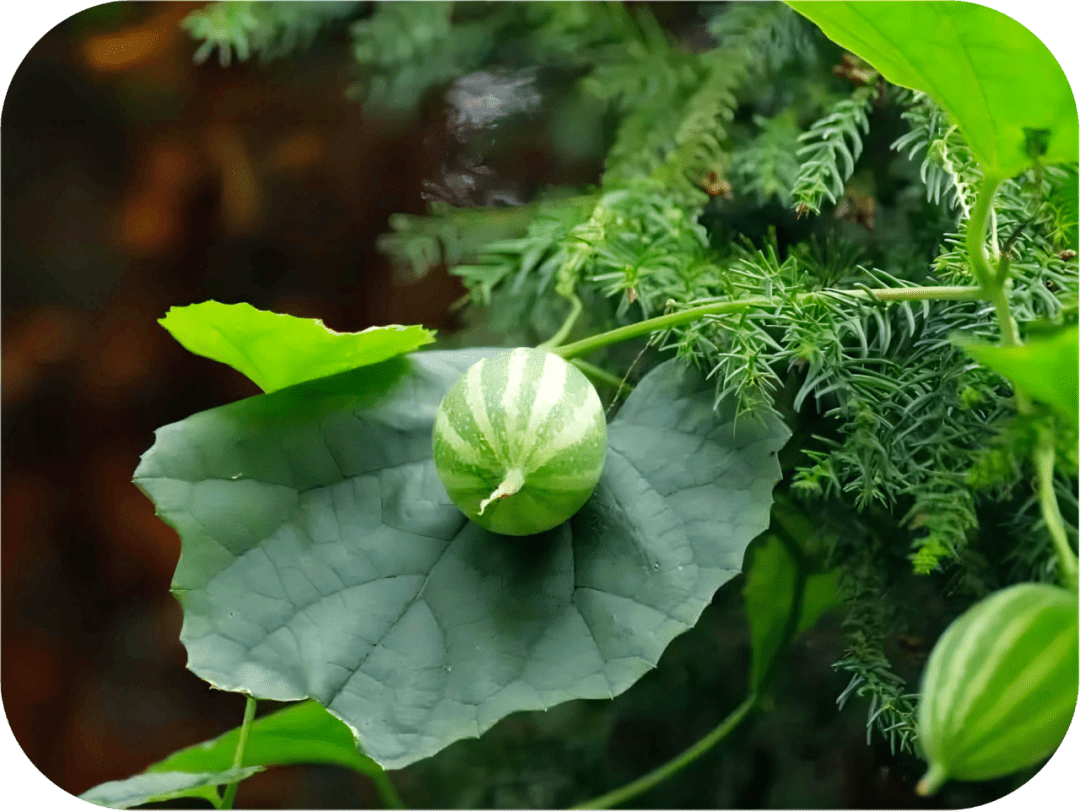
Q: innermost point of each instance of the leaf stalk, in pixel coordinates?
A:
(230, 789)
(699, 748)
(1044, 468)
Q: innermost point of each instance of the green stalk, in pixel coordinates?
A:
(933, 780)
(976, 234)
(230, 790)
(567, 325)
(387, 791)
(664, 322)
(1043, 455)
(602, 375)
(1044, 468)
(651, 779)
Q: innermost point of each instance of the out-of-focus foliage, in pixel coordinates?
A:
(271, 30)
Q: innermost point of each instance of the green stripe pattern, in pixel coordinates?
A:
(520, 441)
(1000, 687)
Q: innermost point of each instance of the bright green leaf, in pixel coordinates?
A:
(276, 350)
(145, 789)
(1001, 85)
(322, 557)
(305, 733)
(1044, 368)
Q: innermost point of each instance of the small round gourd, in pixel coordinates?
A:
(1000, 686)
(520, 441)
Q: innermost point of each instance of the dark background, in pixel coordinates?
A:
(134, 180)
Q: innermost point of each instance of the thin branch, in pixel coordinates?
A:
(587, 345)
(651, 779)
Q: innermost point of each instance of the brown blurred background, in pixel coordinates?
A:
(134, 180)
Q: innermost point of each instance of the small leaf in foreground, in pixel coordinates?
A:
(146, 789)
(1044, 368)
(305, 733)
(276, 350)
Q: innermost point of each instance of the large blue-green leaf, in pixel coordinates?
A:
(322, 557)
(146, 789)
(1002, 86)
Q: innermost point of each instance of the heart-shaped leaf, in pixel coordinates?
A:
(1001, 85)
(323, 558)
(276, 350)
(146, 789)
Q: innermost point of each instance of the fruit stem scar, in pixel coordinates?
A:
(510, 485)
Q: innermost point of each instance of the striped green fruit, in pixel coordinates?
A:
(520, 441)
(1000, 686)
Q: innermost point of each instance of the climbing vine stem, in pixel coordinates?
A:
(1044, 469)
(641, 328)
(651, 779)
(567, 326)
(995, 285)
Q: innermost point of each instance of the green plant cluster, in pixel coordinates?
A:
(785, 238)
(900, 417)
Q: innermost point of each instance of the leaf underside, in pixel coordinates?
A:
(323, 558)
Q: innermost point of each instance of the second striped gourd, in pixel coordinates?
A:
(1000, 685)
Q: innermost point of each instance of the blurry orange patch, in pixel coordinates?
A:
(124, 355)
(150, 220)
(31, 673)
(36, 663)
(296, 152)
(148, 224)
(139, 547)
(169, 165)
(27, 523)
(49, 334)
(241, 194)
(124, 50)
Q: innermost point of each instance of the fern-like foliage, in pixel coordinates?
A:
(767, 166)
(830, 149)
(403, 49)
(948, 169)
(676, 105)
(240, 28)
(448, 235)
